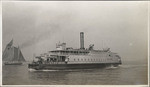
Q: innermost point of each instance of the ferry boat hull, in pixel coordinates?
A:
(70, 66)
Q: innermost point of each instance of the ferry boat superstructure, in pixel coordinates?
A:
(68, 58)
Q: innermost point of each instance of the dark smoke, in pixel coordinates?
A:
(54, 28)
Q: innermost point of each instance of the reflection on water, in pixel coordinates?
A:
(48, 76)
(124, 74)
(73, 76)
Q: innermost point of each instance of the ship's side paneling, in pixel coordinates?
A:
(103, 57)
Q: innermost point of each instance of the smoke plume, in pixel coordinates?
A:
(47, 34)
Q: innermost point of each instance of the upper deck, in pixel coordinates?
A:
(61, 49)
(69, 52)
(76, 52)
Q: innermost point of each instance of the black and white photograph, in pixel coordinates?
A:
(75, 43)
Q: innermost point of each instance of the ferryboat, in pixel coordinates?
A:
(68, 58)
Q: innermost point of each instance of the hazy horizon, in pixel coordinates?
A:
(37, 26)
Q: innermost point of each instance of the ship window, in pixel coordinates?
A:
(74, 59)
(91, 59)
(109, 55)
(88, 59)
(75, 52)
(78, 59)
(81, 59)
(85, 59)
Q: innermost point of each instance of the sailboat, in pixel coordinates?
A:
(12, 55)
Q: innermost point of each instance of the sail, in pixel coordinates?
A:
(15, 58)
(12, 53)
(21, 58)
(10, 43)
(18, 55)
(8, 54)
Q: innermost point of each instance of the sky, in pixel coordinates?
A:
(36, 27)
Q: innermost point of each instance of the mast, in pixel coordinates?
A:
(13, 52)
(18, 53)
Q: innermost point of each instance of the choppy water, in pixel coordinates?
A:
(126, 74)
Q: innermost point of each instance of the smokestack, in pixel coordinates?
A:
(81, 40)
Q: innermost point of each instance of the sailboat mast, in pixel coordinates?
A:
(18, 53)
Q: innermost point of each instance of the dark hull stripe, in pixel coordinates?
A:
(69, 66)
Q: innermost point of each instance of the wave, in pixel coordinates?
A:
(112, 67)
(131, 66)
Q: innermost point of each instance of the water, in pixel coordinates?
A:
(126, 74)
